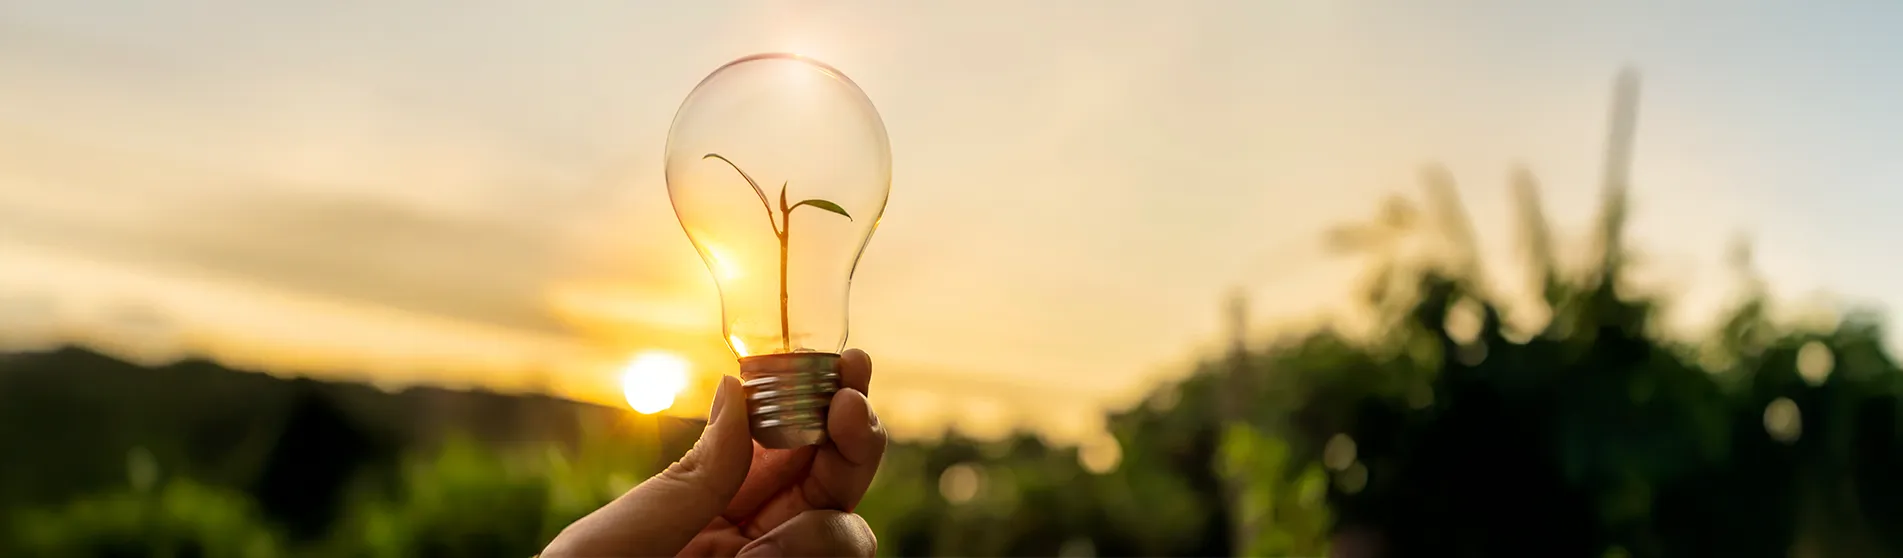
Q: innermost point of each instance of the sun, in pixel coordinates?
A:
(652, 380)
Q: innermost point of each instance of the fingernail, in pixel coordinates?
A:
(720, 401)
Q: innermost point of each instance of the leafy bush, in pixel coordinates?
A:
(470, 500)
(1282, 507)
(177, 520)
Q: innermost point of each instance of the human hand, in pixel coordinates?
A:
(728, 496)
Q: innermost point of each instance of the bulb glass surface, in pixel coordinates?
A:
(778, 167)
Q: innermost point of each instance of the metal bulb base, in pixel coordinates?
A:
(787, 397)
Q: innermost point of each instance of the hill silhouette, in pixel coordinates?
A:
(70, 418)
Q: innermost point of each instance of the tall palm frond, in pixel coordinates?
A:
(1536, 234)
(1451, 221)
(1618, 166)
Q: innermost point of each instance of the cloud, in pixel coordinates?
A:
(481, 270)
(318, 179)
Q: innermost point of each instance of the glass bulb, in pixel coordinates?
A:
(778, 167)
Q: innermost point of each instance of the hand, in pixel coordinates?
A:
(728, 496)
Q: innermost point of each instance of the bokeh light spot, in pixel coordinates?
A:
(1815, 362)
(960, 483)
(1464, 320)
(1783, 420)
(1100, 456)
(1339, 453)
(1353, 479)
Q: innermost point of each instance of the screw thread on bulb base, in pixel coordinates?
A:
(787, 397)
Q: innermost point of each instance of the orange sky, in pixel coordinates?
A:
(461, 192)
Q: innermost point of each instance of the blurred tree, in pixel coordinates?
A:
(317, 453)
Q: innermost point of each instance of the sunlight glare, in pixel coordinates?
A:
(652, 380)
(723, 264)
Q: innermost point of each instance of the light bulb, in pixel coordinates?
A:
(778, 167)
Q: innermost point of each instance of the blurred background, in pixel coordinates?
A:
(1196, 278)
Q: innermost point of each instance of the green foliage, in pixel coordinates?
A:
(901, 495)
(963, 497)
(1283, 510)
(433, 513)
(471, 500)
(1587, 435)
(179, 518)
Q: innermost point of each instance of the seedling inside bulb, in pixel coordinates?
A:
(782, 228)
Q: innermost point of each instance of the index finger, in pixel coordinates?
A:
(855, 371)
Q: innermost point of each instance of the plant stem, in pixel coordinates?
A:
(786, 341)
(786, 231)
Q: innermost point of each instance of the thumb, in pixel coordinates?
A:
(659, 517)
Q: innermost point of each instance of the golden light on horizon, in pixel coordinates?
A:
(652, 380)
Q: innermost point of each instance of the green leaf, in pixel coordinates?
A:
(826, 205)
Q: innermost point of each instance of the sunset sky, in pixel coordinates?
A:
(465, 191)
